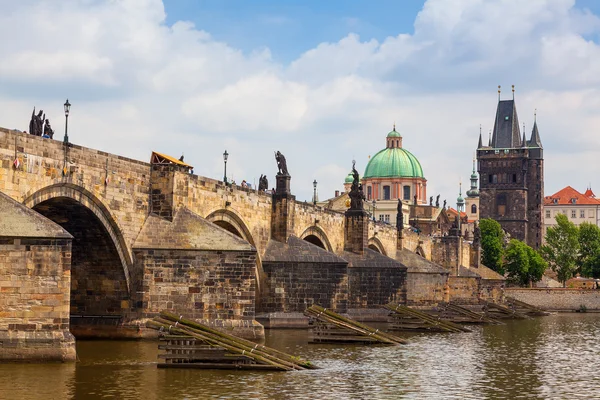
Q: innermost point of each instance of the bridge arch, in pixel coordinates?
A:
(232, 222)
(375, 244)
(101, 264)
(317, 236)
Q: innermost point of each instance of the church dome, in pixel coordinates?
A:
(393, 161)
(349, 178)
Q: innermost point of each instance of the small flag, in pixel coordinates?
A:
(17, 163)
(107, 181)
(65, 171)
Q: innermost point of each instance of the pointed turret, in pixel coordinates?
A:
(524, 142)
(535, 137)
(506, 134)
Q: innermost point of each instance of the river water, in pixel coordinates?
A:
(554, 357)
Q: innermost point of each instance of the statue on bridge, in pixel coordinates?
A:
(430, 200)
(400, 217)
(437, 201)
(263, 183)
(36, 123)
(48, 131)
(356, 191)
(281, 164)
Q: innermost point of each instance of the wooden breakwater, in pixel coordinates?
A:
(189, 344)
(331, 327)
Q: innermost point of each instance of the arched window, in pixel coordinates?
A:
(369, 193)
(386, 193)
(473, 209)
(406, 193)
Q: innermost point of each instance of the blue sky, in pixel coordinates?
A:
(289, 28)
(321, 81)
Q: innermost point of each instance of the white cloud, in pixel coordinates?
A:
(138, 85)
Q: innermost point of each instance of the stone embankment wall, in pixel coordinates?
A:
(558, 299)
(35, 278)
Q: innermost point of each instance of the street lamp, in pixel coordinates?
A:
(67, 109)
(374, 207)
(225, 156)
(315, 192)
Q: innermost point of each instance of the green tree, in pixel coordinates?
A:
(562, 248)
(491, 244)
(589, 250)
(523, 264)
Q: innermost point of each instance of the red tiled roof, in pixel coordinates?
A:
(454, 212)
(589, 193)
(569, 195)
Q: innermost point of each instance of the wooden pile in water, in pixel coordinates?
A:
(495, 310)
(330, 327)
(190, 344)
(408, 319)
(458, 314)
(525, 308)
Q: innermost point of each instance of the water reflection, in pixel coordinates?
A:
(552, 357)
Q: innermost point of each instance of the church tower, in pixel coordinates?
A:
(511, 171)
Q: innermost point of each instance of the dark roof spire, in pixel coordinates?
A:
(506, 134)
(535, 134)
(490, 138)
(480, 144)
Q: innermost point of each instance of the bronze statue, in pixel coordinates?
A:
(400, 217)
(415, 199)
(36, 123)
(437, 200)
(263, 183)
(48, 131)
(356, 192)
(476, 235)
(444, 207)
(281, 164)
(430, 200)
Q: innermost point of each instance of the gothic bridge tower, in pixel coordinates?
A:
(511, 170)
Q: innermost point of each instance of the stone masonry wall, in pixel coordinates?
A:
(35, 279)
(557, 299)
(372, 287)
(425, 289)
(208, 285)
(293, 286)
(463, 289)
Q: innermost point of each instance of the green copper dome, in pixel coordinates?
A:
(392, 163)
(349, 178)
(394, 133)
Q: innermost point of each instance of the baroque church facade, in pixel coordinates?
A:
(511, 171)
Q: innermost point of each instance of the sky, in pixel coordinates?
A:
(321, 81)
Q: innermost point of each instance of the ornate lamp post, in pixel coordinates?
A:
(315, 192)
(67, 109)
(374, 208)
(225, 156)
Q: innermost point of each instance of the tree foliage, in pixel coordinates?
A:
(523, 264)
(562, 248)
(589, 250)
(491, 244)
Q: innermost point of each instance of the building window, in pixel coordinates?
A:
(573, 214)
(387, 218)
(514, 178)
(591, 214)
(494, 178)
(473, 209)
(369, 193)
(547, 213)
(386, 192)
(501, 205)
(581, 213)
(381, 217)
(406, 193)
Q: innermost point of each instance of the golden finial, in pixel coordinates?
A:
(513, 90)
(499, 92)
(394, 126)
(535, 115)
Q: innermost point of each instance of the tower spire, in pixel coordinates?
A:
(480, 144)
(498, 92)
(490, 139)
(513, 91)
